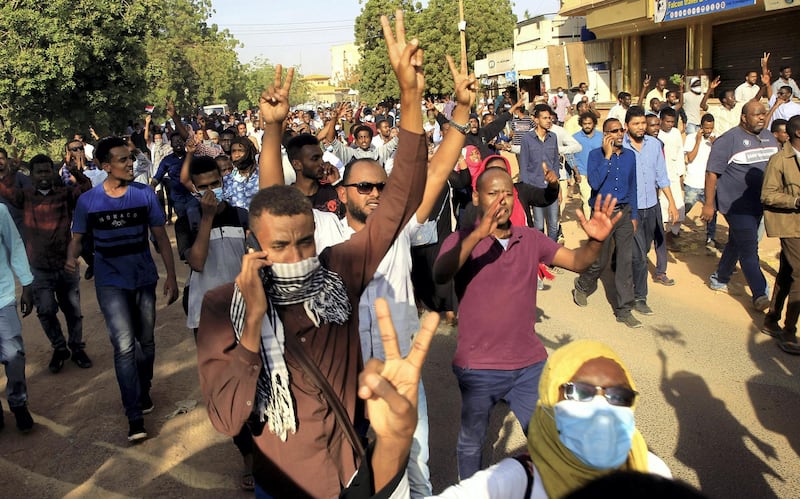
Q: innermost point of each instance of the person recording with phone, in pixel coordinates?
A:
(284, 352)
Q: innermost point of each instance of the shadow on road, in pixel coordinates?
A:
(713, 442)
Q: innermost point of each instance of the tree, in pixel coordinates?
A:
(190, 61)
(257, 75)
(376, 80)
(490, 27)
(65, 64)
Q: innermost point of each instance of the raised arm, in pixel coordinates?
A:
(597, 228)
(273, 106)
(643, 92)
(711, 86)
(176, 119)
(186, 176)
(449, 150)
(451, 259)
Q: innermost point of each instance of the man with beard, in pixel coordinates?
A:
(304, 390)
(494, 266)
(47, 220)
(734, 174)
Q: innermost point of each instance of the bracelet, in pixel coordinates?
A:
(461, 128)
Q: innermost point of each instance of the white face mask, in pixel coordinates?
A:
(696, 90)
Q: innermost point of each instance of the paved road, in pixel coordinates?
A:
(720, 410)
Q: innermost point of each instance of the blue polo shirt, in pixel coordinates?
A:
(651, 170)
(588, 144)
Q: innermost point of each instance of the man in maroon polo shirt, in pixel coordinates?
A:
(495, 269)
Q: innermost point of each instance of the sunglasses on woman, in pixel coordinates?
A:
(586, 392)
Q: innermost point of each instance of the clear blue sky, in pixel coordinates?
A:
(301, 32)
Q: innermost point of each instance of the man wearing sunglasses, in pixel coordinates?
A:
(611, 170)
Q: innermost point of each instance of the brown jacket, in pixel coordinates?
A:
(318, 460)
(779, 194)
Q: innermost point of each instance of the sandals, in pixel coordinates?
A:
(248, 482)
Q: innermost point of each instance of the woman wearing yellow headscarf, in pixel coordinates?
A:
(582, 429)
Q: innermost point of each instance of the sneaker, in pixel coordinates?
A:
(640, 306)
(24, 419)
(89, 273)
(761, 303)
(629, 320)
(663, 279)
(714, 284)
(580, 298)
(57, 361)
(771, 327)
(137, 433)
(146, 403)
(539, 283)
(79, 357)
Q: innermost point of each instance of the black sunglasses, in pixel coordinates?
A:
(76, 149)
(366, 187)
(585, 392)
(616, 130)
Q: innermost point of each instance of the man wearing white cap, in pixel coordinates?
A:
(695, 102)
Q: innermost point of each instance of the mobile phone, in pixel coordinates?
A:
(252, 243)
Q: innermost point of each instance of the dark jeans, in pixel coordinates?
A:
(787, 285)
(649, 224)
(54, 289)
(621, 237)
(481, 389)
(742, 246)
(130, 317)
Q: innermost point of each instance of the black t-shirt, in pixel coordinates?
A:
(327, 199)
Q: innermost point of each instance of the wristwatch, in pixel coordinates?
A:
(461, 128)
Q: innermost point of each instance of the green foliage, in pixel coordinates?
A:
(490, 27)
(376, 79)
(65, 64)
(69, 64)
(258, 75)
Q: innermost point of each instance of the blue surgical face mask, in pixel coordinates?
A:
(596, 432)
(561, 94)
(217, 193)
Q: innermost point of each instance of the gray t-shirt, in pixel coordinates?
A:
(739, 158)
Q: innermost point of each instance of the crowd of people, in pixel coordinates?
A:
(315, 239)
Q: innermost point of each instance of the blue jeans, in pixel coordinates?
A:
(692, 195)
(130, 317)
(742, 246)
(481, 389)
(12, 355)
(547, 213)
(54, 289)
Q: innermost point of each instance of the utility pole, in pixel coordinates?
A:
(462, 28)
